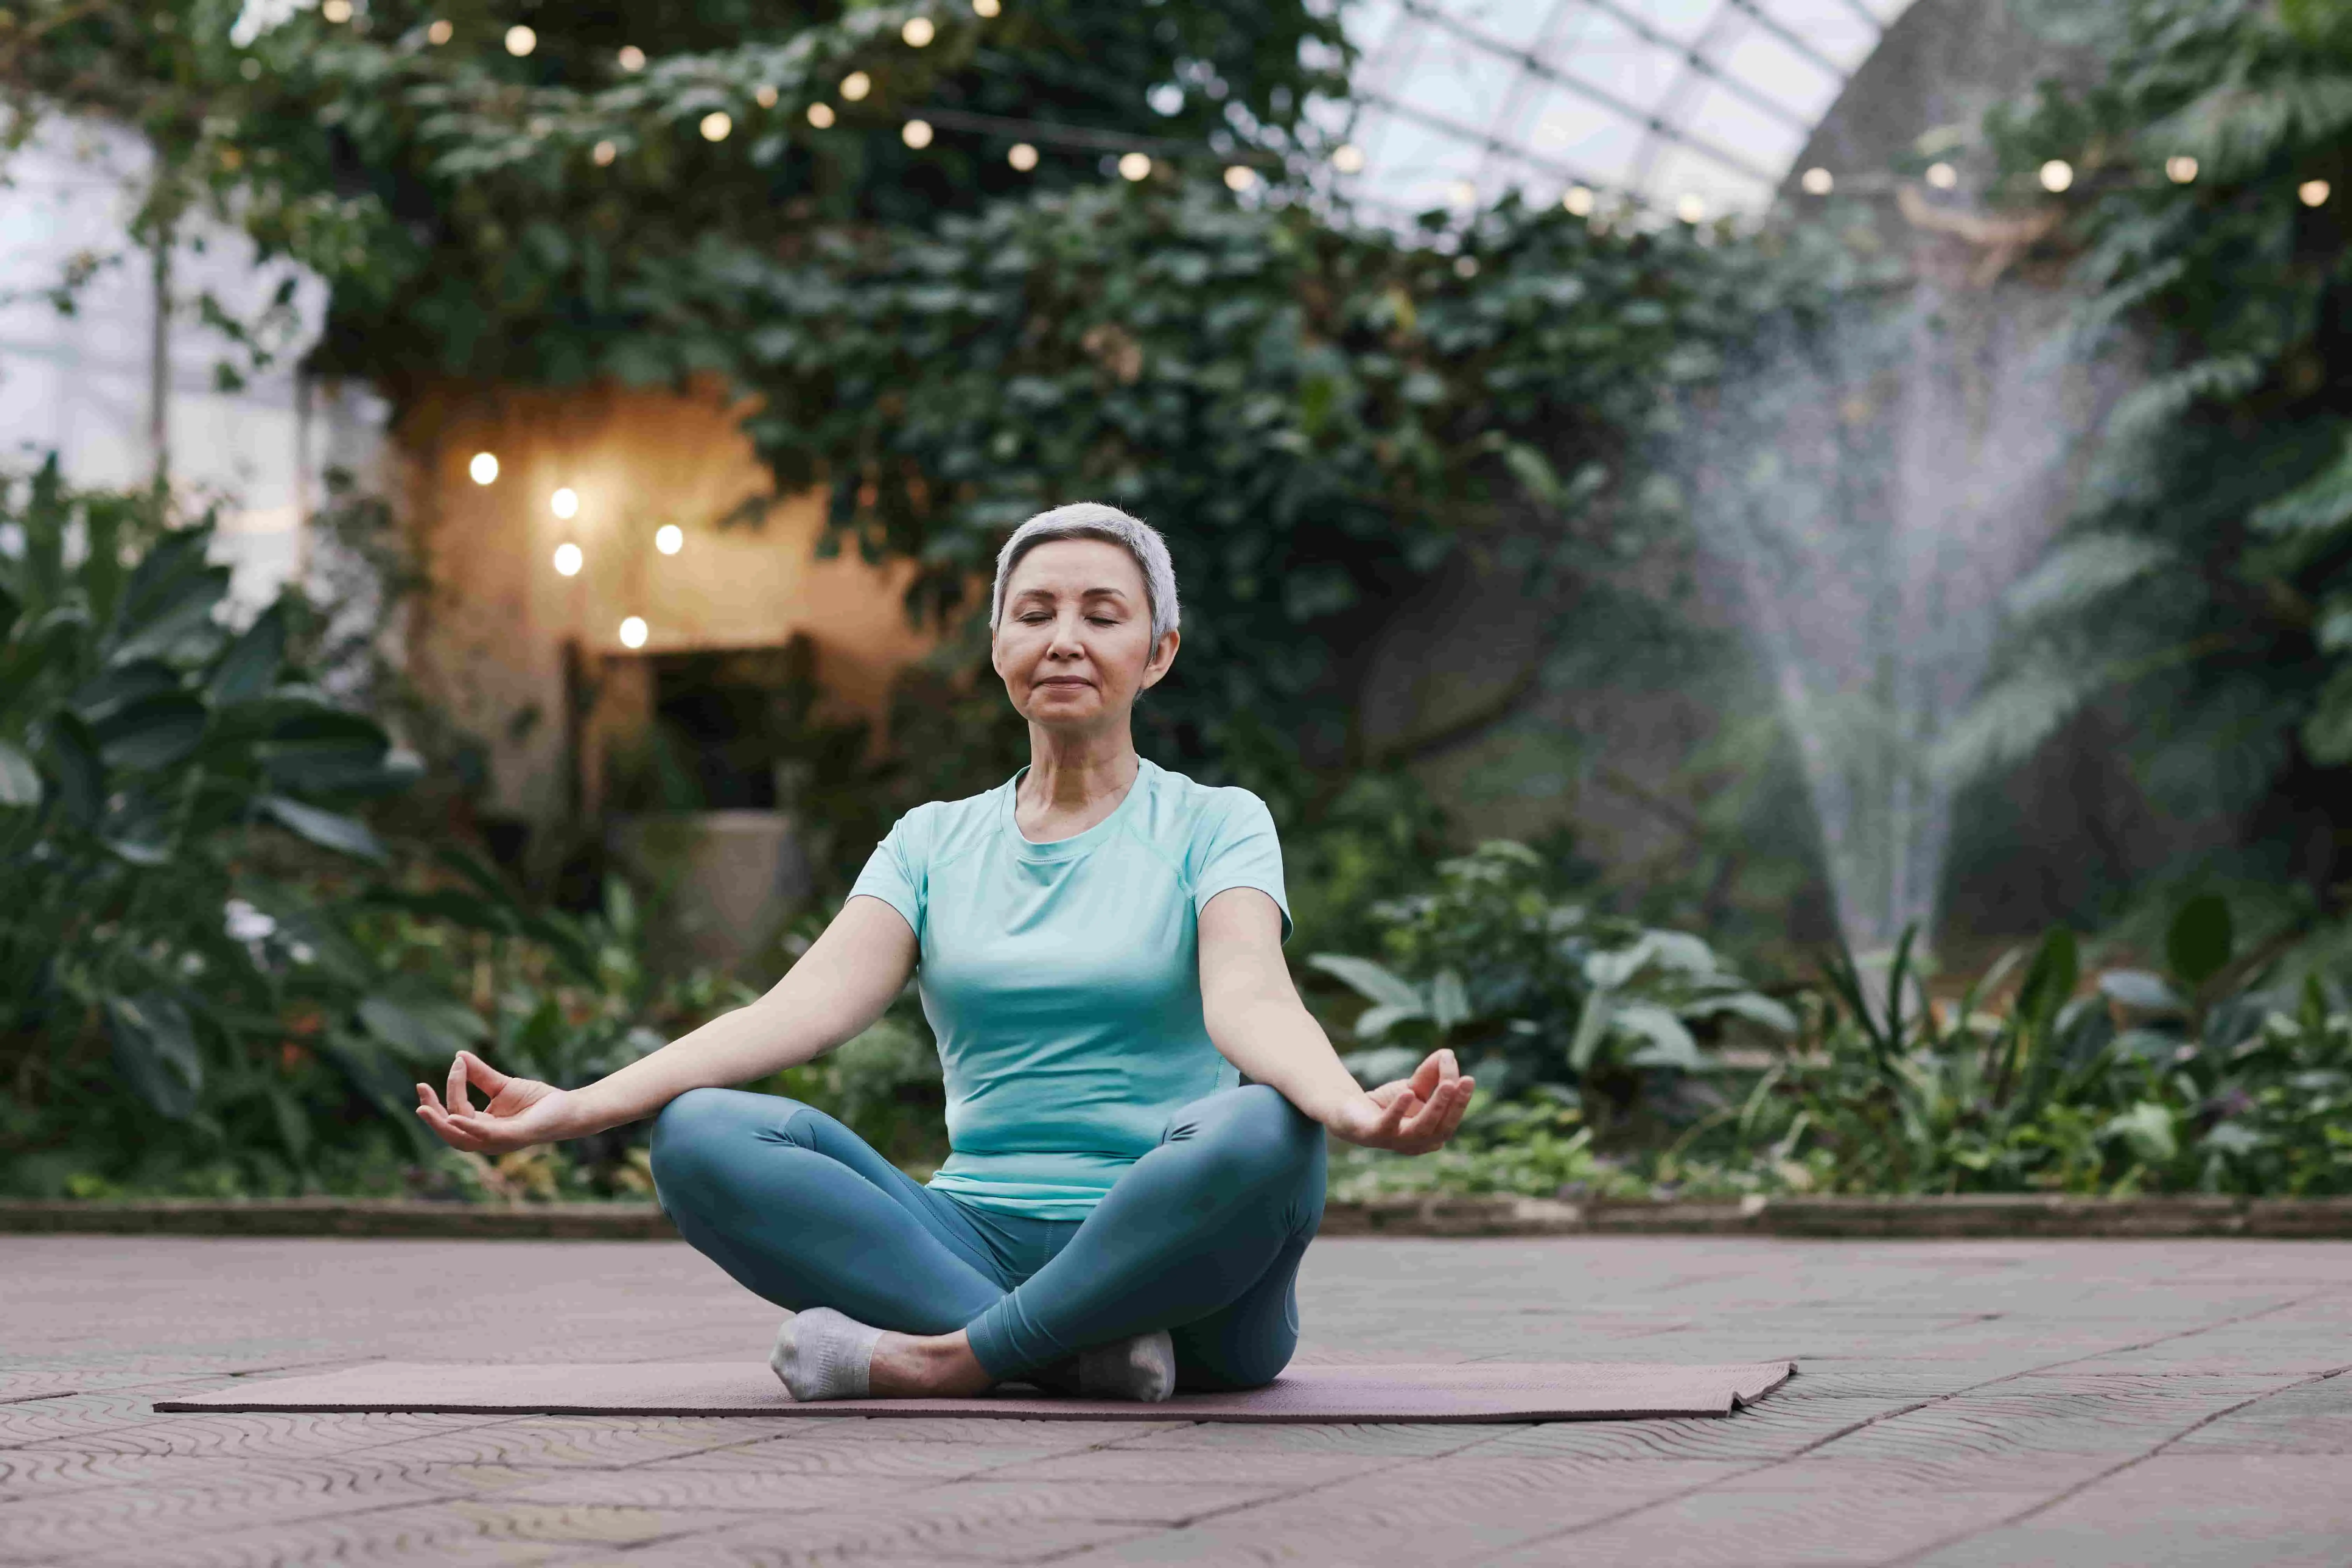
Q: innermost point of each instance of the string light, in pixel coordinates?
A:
(715, 125)
(604, 153)
(1239, 177)
(484, 468)
(820, 115)
(855, 86)
(917, 32)
(1347, 158)
(2180, 170)
(1943, 176)
(670, 539)
(2313, 193)
(520, 40)
(1023, 157)
(1578, 202)
(764, 95)
(440, 32)
(985, 8)
(2056, 175)
(915, 134)
(568, 560)
(633, 58)
(337, 11)
(564, 504)
(1135, 166)
(1818, 182)
(632, 631)
(1691, 208)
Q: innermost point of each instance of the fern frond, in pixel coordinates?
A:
(2085, 570)
(2011, 720)
(2321, 504)
(2237, 127)
(2167, 397)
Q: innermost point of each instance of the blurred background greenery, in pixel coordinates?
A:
(255, 890)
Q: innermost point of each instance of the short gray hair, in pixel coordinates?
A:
(1093, 520)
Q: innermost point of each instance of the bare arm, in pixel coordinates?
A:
(839, 987)
(1257, 1022)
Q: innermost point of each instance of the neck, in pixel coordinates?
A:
(1071, 773)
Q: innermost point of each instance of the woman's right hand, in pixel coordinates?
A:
(522, 1111)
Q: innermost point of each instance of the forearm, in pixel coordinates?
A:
(838, 988)
(1277, 1042)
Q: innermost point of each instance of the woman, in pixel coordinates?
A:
(1099, 948)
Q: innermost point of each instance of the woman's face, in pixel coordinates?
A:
(1073, 643)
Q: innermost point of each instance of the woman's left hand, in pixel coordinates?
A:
(1414, 1115)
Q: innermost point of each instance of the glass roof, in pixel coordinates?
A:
(1698, 105)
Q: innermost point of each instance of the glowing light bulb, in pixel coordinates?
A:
(915, 134)
(2180, 170)
(633, 58)
(2056, 175)
(670, 539)
(1818, 182)
(567, 559)
(564, 504)
(1239, 177)
(440, 32)
(764, 95)
(715, 125)
(336, 11)
(2312, 193)
(1943, 176)
(1135, 166)
(1691, 208)
(821, 115)
(1347, 158)
(632, 631)
(484, 468)
(1578, 202)
(604, 153)
(917, 32)
(855, 86)
(1023, 157)
(520, 40)
(985, 8)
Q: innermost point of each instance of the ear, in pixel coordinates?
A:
(1161, 658)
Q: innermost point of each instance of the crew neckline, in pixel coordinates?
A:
(1077, 843)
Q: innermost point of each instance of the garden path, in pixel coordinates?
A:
(1958, 1402)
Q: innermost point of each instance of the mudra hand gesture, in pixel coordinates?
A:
(521, 1112)
(1411, 1115)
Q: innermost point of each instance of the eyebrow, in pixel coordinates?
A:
(1047, 593)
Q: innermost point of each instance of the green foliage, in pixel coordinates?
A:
(1530, 989)
(159, 767)
(2208, 583)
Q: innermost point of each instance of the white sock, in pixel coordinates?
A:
(825, 1354)
(1143, 1368)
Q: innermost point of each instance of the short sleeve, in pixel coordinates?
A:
(894, 873)
(1242, 851)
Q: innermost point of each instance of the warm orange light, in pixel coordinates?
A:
(632, 631)
(484, 468)
(670, 539)
(568, 560)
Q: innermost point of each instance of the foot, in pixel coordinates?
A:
(1143, 1368)
(825, 1354)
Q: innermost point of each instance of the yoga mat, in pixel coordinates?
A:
(1478, 1391)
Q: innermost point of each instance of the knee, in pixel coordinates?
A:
(1254, 1138)
(691, 1136)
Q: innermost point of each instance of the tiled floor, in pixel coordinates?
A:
(1970, 1402)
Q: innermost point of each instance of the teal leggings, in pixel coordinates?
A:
(1202, 1237)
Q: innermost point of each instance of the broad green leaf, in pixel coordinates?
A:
(20, 781)
(2050, 983)
(1374, 1022)
(166, 619)
(1591, 1028)
(427, 1028)
(152, 732)
(72, 755)
(2200, 942)
(2147, 1128)
(1371, 980)
(1385, 1064)
(2139, 990)
(327, 829)
(113, 688)
(250, 666)
(155, 1051)
(1449, 1001)
(1669, 1043)
(1752, 1006)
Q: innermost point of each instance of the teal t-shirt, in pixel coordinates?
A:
(1063, 980)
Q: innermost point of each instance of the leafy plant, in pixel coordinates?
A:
(1533, 989)
(157, 769)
